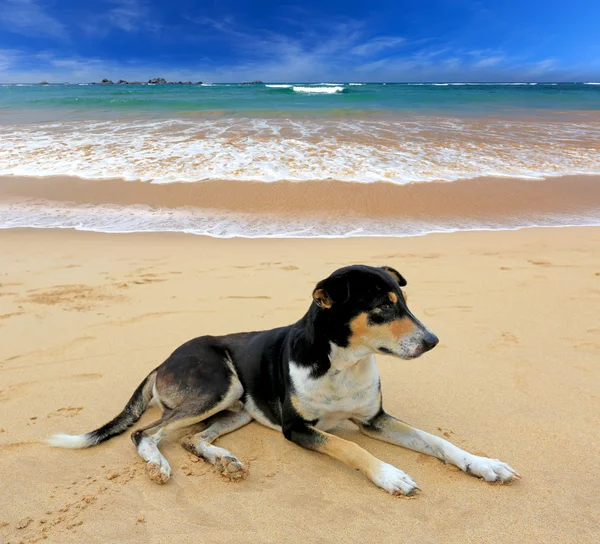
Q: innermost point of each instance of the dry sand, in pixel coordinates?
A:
(84, 317)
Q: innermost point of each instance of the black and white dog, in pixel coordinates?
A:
(301, 379)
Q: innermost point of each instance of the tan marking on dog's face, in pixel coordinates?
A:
(404, 295)
(393, 297)
(394, 331)
(322, 298)
(402, 327)
(359, 327)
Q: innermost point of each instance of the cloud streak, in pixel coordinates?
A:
(30, 19)
(377, 45)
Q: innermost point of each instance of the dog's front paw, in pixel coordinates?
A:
(491, 470)
(394, 481)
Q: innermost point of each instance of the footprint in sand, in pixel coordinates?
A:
(506, 339)
(593, 346)
(93, 491)
(548, 264)
(447, 433)
(69, 411)
(6, 316)
(520, 379)
(16, 390)
(142, 277)
(77, 297)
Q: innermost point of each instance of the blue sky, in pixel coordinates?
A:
(326, 40)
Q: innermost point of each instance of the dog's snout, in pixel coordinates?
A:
(430, 340)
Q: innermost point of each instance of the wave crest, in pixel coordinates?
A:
(331, 89)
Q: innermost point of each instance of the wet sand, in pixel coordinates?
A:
(84, 317)
(500, 199)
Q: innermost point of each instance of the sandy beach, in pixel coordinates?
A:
(85, 316)
(506, 200)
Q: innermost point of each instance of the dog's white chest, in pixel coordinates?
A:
(338, 395)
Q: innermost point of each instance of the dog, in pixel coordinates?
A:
(302, 380)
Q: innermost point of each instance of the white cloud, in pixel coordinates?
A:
(8, 58)
(544, 66)
(128, 15)
(377, 45)
(28, 18)
(488, 62)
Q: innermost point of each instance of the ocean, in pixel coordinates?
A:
(281, 133)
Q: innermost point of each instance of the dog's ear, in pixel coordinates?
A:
(395, 274)
(331, 290)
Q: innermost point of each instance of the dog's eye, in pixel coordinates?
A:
(385, 305)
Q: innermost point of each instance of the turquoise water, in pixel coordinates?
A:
(69, 102)
(282, 133)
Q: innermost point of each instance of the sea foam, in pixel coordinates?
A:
(400, 151)
(330, 89)
(129, 219)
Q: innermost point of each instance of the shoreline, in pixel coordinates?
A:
(286, 209)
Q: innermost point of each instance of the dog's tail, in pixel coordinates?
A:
(131, 413)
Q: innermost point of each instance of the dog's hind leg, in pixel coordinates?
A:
(200, 444)
(191, 411)
(146, 441)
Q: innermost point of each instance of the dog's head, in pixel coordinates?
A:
(364, 308)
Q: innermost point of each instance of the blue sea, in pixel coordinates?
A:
(83, 101)
(352, 132)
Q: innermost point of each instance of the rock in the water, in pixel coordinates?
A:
(158, 81)
(198, 83)
(187, 82)
(122, 82)
(256, 82)
(44, 83)
(106, 82)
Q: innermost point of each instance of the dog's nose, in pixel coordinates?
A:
(430, 341)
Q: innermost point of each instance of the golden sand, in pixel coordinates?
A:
(84, 317)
